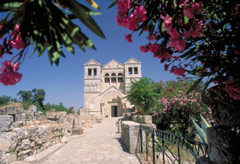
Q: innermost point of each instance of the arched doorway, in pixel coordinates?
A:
(112, 104)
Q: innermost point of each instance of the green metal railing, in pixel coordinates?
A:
(158, 146)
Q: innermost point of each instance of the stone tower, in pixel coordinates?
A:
(92, 84)
(132, 71)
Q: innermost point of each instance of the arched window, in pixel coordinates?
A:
(113, 78)
(120, 77)
(107, 79)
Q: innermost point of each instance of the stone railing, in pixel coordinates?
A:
(129, 126)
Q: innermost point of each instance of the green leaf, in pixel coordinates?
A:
(186, 19)
(94, 13)
(93, 4)
(204, 124)
(55, 56)
(10, 6)
(195, 84)
(162, 27)
(83, 15)
(200, 132)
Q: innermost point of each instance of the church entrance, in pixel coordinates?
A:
(114, 111)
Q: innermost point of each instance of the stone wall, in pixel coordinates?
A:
(28, 140)
(129, 126)
(26, 132)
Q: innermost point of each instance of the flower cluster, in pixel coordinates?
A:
(9, 74)
(175, 108)
(129, 19)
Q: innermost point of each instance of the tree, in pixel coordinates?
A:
(39, 96)
(47, 25)
(200, 38)
(4, 100)
(144, 94)
(25, 95)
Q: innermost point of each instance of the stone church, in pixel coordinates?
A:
(105, 86)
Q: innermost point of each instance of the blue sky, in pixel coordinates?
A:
(65, 82)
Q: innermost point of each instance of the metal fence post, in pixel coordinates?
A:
(153, 146)
(179, 155)
(141, 138)
(146, 147)
(163, 151)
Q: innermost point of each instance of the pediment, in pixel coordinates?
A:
(112, 89)
(92, 62)
(113, 64)
(132, 61)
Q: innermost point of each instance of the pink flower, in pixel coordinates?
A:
(167, 21)
(182, 2)
(155, 114)
(178, 71)
(163, 53)
(192, 10)
(8, 66)
(128, 38)
(176, 41)
(9, 76)
(144, 48)
(173, 32)
(195, 31)
(152, 37)
(178, 44)
(123, 5)
(153, 47)
(17, 42)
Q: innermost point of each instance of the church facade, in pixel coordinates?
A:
(105, 86)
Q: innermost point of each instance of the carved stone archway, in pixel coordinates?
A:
(112, 99)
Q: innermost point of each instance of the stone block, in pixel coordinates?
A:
(135, 118)
(129, 135)
(147, 119)
(20, 133)
(6, 122)
(132, 115)
(126, 116)
(25, 144)
(39, 116)
(8, 142)
(11, 157)
(140, 119)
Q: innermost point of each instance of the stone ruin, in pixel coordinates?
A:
(27, 132)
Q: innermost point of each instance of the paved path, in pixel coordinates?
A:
(100, 145)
